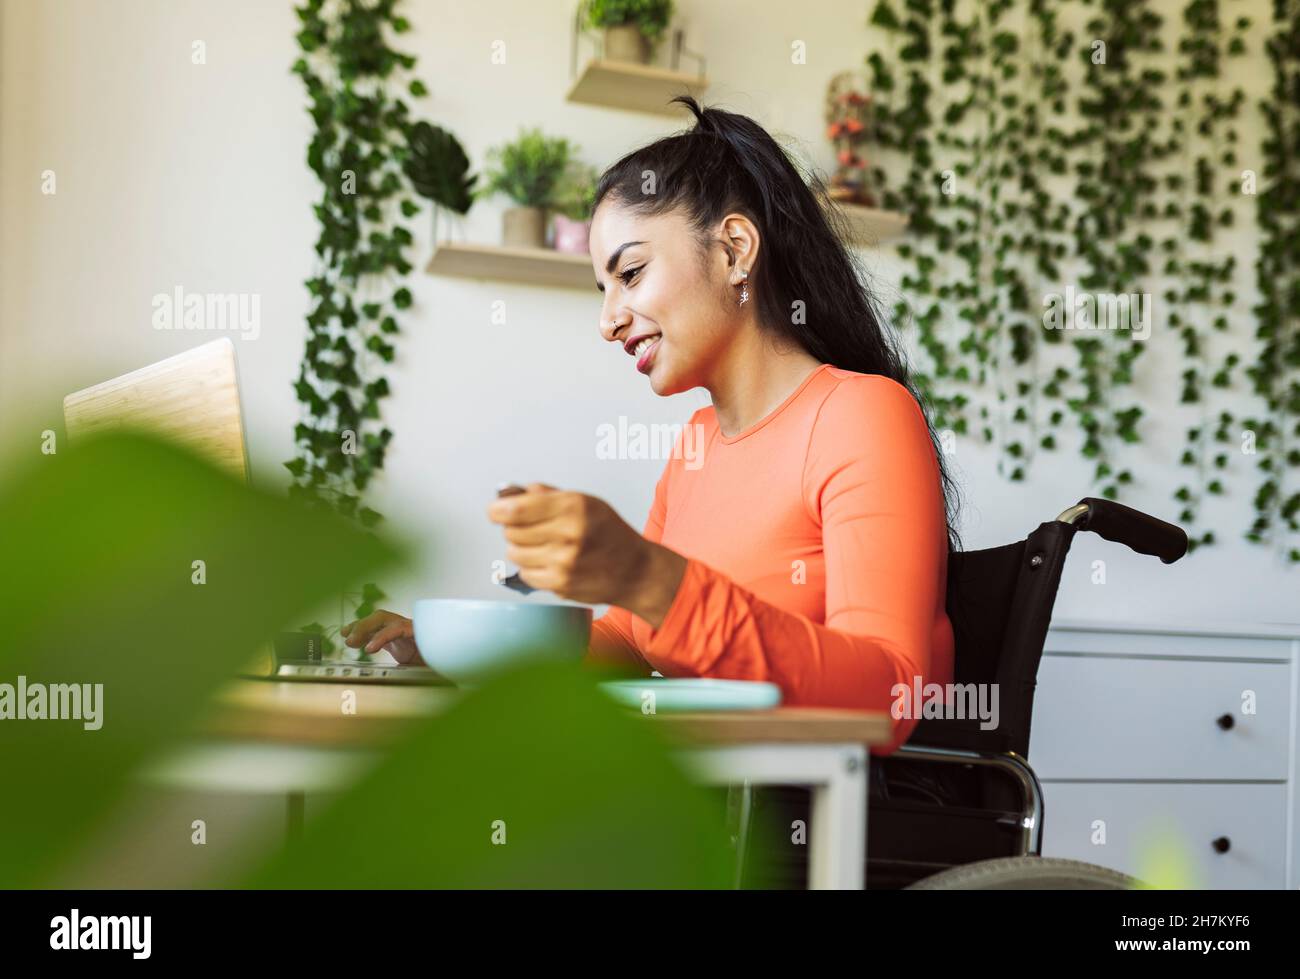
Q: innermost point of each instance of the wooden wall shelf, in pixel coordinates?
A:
(870, 226)
(639, 88)
(531, 266)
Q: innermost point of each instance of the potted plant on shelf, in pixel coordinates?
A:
(438, 169)
(632, 27)
(575, 195)
(527, 171)
(848, 127)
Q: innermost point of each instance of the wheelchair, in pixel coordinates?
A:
(958, 806)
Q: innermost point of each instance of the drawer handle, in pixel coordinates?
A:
(1222, 845)
(1226, 722)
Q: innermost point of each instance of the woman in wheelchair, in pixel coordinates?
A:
(800, 532)
(803, 531)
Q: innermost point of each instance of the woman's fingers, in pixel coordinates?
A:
(397, 630)
(542, 579)
(543, 532)
(531, 557)
(539, 502)
(359, 632)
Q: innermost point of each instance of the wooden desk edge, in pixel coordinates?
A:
(786, 725)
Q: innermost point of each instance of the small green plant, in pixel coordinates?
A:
(438, 169)
(363, 603)
(528, 169)
(575, 193)
(650, 17)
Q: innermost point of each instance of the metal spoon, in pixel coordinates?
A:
(514, 581)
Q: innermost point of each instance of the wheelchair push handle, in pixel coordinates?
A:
(1137, 530)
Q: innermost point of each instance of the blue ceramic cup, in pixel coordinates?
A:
(468, 640)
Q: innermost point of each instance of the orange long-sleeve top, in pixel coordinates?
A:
(816, 548)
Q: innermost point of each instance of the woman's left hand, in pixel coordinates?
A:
(577, 547)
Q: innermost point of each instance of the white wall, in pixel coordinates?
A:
(171, 174)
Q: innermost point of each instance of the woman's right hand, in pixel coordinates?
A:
(383, 630)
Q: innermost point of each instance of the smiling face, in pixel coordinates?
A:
(674, 313)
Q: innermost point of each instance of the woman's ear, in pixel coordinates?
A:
(742, 243)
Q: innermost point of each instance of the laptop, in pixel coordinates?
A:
(193, 399)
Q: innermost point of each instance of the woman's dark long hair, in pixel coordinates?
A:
(729, 163)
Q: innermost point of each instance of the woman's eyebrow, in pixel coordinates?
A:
(613, 259)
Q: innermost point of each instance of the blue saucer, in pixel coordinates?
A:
(695, 694)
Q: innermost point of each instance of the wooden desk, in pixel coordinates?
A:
(292, 738)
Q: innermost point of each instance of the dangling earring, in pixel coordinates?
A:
(744, 287)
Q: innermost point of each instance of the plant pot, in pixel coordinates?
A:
(626, 43)
(523, 227)
(571, 235)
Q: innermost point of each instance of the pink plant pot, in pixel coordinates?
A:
(571, 235)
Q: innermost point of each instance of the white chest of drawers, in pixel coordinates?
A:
(1158, 743)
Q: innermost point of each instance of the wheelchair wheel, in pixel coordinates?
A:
(1027, 874)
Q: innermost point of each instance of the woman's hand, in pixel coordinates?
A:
(386, 630)
(577, 547)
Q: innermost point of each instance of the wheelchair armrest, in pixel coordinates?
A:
(1031, 792)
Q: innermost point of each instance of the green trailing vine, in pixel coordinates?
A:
(969, 147)
(1004, 332)
(1027, 155)
(1113, 151)
(903, 124)
(1276, 373)
(1206, 123)
(366, 151)
(1042, 228)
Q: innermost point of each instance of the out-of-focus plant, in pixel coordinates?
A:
(1164, 861)
(535, 780)
(133, 565)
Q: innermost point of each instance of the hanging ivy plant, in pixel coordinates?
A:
(1276, 371)
(1040, 220)
(904, 124)
(1027, 155)
(357, 85)
(1114, 151)
(1206, 123)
